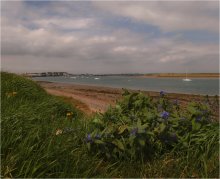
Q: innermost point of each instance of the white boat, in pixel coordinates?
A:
(74, 77)
(96, 78)
(186, 79)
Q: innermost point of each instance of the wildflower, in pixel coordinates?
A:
(162, 93)
(59, 131)
(10, 94)
(198, 118)
(134, 131)
(89, 138)
(69, 114)
(14, 93)
(165, 115)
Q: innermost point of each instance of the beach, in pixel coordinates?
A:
(91, 99)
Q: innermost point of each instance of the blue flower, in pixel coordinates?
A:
(165, 115)
(134, 131)
(162, 93)
(89, 138)
(198, 118)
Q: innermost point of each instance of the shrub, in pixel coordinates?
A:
(140, 127)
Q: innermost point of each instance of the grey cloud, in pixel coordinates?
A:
(45, 48)
(169, 16)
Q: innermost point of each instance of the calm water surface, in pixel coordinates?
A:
(176, 85)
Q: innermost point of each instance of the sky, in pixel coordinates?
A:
(110, 36)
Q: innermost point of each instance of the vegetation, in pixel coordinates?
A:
(44, 136)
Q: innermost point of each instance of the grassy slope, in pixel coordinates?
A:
(31, 148)
(30, 120)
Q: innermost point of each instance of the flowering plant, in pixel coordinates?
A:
(136, 127)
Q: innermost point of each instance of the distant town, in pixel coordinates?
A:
(48, 74)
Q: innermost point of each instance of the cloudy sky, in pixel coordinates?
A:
(110, 37)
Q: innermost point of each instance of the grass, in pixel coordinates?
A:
(43, 136)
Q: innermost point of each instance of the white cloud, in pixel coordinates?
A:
(65, 23)
(125, 49)
(101, 39)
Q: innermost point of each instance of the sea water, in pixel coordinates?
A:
(205, 86)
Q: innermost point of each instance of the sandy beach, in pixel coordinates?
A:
(91, 99)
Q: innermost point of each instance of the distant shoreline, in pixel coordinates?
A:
(181, 75)
(146, 75)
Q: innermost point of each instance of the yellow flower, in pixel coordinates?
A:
(59, 131)
(14, 93)
(69, 114)
(10, 94)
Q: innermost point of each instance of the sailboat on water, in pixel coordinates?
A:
(186, 79)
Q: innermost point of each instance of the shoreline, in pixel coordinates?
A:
(91, 99)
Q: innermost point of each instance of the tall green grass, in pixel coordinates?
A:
(29, 122)
(43, 137)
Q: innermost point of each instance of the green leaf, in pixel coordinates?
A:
(142, 142)
(122, 128)
(150, 133)
(162, 126)
(195, 125)
(192, 110)
(119, 144)
(144, 126)
(139, 123)
(88, 146)
(97, 121)
(108, 129)
(141, 131)
(118, 107)
(99, 142)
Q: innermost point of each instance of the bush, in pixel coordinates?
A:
(143, 128)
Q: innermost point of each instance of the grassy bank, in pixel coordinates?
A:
(45, 136)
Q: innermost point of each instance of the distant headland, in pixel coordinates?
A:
(181, 75)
